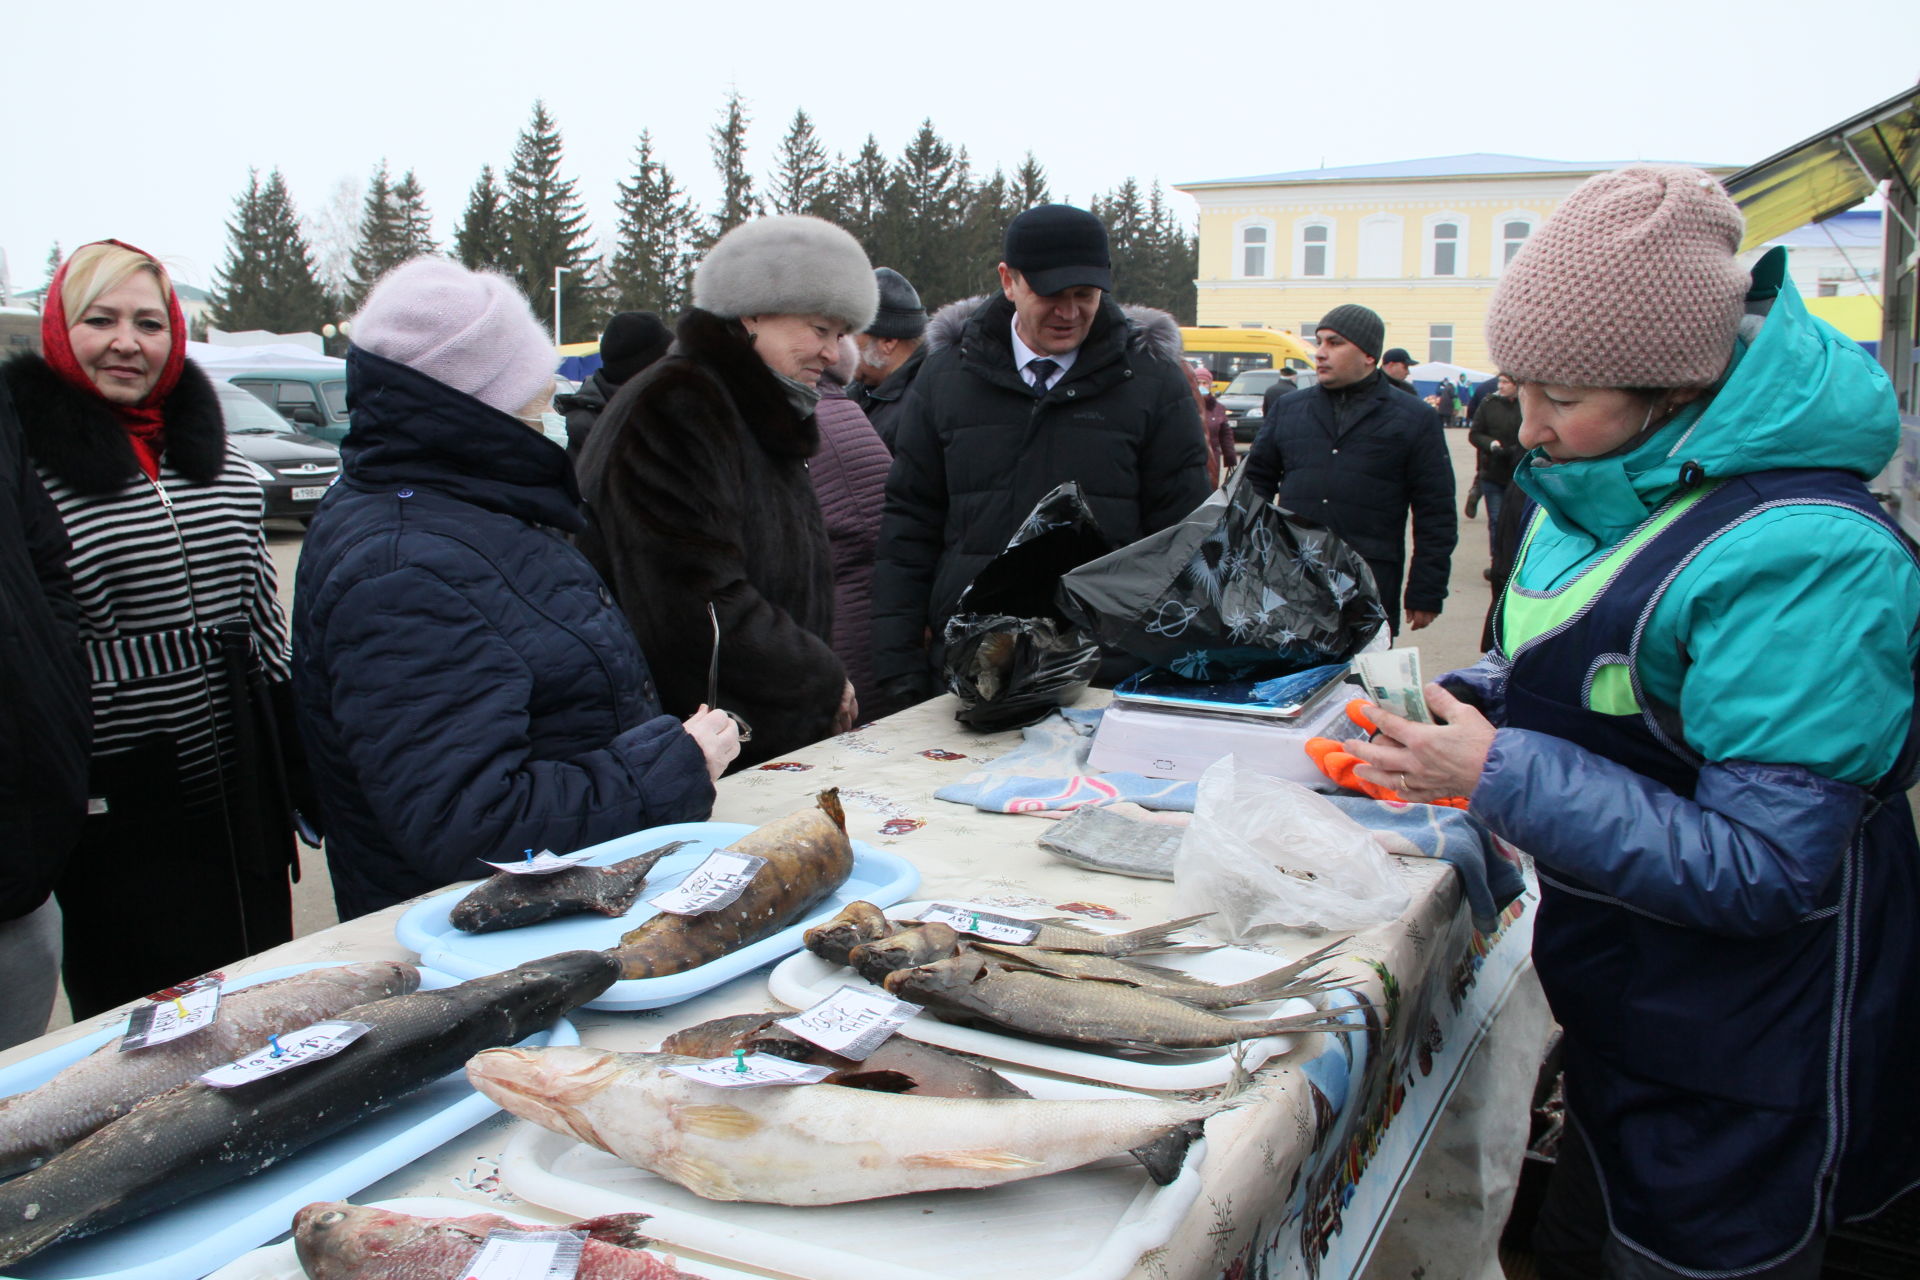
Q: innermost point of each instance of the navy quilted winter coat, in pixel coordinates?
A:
(466, 687)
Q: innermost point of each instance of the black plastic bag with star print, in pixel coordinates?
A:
(1239, 588)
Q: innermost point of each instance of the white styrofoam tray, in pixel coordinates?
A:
(189, 1239)
(1090, 1223)
(877, 877)
(281, 1262)
(803, 979)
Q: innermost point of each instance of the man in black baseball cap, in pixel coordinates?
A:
(1395, 364)
(1047, 382)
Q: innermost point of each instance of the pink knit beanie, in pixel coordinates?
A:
(1632, 283)
(471, 330)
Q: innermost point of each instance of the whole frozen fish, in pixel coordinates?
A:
(336, 1241)
(819, 1144)
(1058, 936)
(105, 1085)
(508, 901)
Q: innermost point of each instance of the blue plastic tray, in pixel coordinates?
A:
(879, 878)
(200, 1235)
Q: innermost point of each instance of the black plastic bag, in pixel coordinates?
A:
(1011, 654)
(1238, 586)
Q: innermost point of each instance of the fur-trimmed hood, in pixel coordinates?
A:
(78, 437)
(1148, 328)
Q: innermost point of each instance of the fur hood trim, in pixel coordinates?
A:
(1148, 328)
(79, 438)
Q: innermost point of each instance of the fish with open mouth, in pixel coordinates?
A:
(899, 1065)
(808, 857)
(821, 1143)
(337, 1241)
(857, 922)
(922, 944)
(508, 901)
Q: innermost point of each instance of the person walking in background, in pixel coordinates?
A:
(44, 735)
(1223, 453)
(849, 477)
(183, 634)
(1495, 436)
(890, 353)
(1359, 456)
(697, 476)
(466, 686)
(632, 341)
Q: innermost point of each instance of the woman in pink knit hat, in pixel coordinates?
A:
(1698, 717)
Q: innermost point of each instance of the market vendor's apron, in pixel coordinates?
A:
(1738, 1094)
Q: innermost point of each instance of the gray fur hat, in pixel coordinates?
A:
(792, 265)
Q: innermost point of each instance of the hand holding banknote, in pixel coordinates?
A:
(1424, 761)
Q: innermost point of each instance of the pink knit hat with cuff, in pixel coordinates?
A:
(471, 330)
(1632, 283)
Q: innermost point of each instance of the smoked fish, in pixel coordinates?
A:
(857, 922)
(508, 901)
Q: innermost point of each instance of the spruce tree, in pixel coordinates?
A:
(859, 194)
(737, 201)
(1177, 258)
(416, 220)
(1128, 242)
(653, 262)
(1029, 185)
(800, 183)
(54, 259)
(377, 246)
(268, 280)
(546, 226)
(480, 241)
(926, 193)
(989, 207)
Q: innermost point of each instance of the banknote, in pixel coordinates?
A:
(1394, 679)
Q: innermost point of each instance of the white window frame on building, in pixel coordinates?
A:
(1269, 258)
(1300, 246)
(1505, 245)
(1376, 263)
(1430, 245)
(1440, 343)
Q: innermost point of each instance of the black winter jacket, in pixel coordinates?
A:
(697, 477)
(45, 730)
(1357, 460)
(465, 685)
(884, 404)
(976, 450)
(582, 409)
(1495, 432)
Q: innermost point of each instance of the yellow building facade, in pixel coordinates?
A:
(1422, 242)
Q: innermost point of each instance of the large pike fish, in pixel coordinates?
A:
(336, 1241)
(505, 900)
(808, 857)
(970, 989)
(820, 1143)
(899, 1065)
(194, 1137)
(105, 1085)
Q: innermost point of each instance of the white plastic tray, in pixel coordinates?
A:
(190, 1239)
(280, 1262)
(1090, 1223)
(802, 979)
(879, 878)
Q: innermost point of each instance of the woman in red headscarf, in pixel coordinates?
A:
(182, 866)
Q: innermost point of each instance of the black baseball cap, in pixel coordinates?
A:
(1398, 355)
(1057, 247)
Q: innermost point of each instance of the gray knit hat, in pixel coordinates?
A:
(471, 330)
(901, 315)
(1632, 283)
(792, 265)
(1362, 326)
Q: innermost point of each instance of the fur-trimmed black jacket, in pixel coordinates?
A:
(976, 450)
(696, 475)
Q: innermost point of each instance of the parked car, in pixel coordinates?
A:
(1242, 401)
(313, 400)
(294, 470)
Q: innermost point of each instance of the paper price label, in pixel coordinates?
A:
(544, 863)
(527, 1255)
(752, 1071)
(982, 925)
(170, 1018)
(715, 883)
(851, 1022)
(296, 1048)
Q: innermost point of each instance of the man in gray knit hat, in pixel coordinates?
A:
(1357, 454)
(890, 352)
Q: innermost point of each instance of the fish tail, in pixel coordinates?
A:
(620, 1229)
(1164, 1157)
(1156, 937)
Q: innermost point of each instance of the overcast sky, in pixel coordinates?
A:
(146, 131)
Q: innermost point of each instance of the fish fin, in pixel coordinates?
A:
(1153, 937)
(619, 1229)
(989, 1159)
(1168, 974)
(714, 1120)
(1163, 1157)
(829, 801)
(705, 1178)
(874, 1081)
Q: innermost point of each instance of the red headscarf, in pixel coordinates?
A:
(146, 428)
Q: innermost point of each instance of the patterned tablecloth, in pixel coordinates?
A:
(1303, 1181)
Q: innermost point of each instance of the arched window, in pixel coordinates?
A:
(1510, 232)
(1445, 251)
(1313, 247)
(1380, 247)
(1253, 249)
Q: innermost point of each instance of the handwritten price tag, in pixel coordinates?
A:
(982, 925)
(297, 1048)
(715, 883)
(169, 1018)
(544, 863)
(851, 1022)
(528, 1255)
(752, 1071)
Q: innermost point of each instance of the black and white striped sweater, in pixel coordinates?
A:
(156, 563)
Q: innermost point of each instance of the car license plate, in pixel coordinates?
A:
(310, 493)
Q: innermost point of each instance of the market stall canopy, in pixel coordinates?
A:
(1832, 171)
(221, 361)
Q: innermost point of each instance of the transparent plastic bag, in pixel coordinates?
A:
(1264, 852)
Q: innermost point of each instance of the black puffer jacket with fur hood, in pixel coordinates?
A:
(976, 450)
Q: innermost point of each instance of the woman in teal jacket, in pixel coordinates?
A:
(1699, 719)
